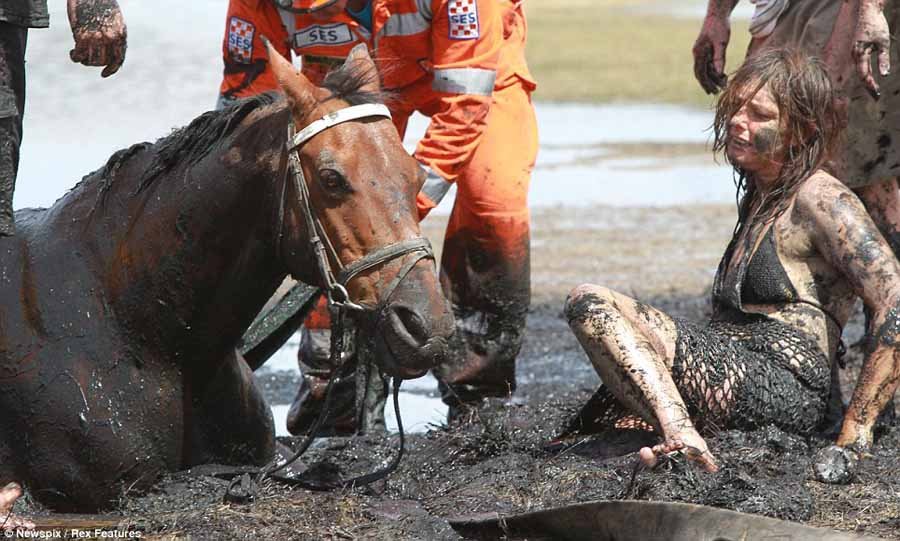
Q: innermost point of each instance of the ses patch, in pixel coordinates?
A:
(240, 40)
(463, 15)
(329, 34)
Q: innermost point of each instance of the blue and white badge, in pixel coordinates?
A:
(463, 15)
(329, 34)
(240, 40)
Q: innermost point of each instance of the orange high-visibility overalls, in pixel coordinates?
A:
(462, 63)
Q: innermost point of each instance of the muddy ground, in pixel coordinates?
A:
(499, 461)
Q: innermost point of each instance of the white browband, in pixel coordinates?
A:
(332, 119)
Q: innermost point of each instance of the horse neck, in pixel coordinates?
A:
(199, 260)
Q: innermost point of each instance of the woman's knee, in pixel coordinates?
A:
(587, 300)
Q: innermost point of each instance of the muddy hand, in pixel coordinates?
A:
(709, 53)
(100, 34)
(872, 36)
(9, 522)
(697, 453)
(836, 465)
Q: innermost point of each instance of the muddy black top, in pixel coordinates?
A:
(27, 13)
(766, 281)
(762, 281)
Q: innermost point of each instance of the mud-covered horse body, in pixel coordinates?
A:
(118, 331)
(121, 306)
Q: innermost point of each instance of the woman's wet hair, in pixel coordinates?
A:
(809, 121)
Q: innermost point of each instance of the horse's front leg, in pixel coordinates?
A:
(232, 423)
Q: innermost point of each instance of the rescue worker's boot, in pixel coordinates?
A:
(359, 394)
(313, 360)
(488, 283)
(481, 374)
(12, 102)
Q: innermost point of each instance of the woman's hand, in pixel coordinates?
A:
(100, 34)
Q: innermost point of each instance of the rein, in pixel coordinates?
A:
(242, 488)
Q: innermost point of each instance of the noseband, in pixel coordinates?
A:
(336, 287)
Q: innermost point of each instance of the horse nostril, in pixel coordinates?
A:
(413, 323)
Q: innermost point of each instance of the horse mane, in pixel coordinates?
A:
(191, 143)
(194, 141)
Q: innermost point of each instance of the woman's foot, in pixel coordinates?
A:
(689, 443)
(9, 522)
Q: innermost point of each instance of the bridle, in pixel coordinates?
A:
(243, 487)
(336, 286)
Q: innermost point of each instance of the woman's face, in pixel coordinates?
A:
(754, 136)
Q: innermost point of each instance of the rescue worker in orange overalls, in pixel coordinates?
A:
(461, 62)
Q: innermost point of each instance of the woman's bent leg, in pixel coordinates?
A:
(632, 347)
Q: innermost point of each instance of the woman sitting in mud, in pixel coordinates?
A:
(803, 249)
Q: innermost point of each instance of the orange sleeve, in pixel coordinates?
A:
(247, 70)
(466, 36)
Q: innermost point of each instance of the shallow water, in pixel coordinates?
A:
(75, 120)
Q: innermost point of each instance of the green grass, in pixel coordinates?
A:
(616, 51)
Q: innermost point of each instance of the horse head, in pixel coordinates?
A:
(349, 206)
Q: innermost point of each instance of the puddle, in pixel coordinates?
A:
(420, 405)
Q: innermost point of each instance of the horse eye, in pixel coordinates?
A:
(333, 182)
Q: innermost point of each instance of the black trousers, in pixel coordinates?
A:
(12, 107)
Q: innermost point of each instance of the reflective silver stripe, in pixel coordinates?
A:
(464, 81)
(435, 187)
(403, 24)
(363, 32)
(290, 22)
(424, 7)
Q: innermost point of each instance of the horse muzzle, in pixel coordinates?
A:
(408, 343)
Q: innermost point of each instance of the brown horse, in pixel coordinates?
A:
(121, 305)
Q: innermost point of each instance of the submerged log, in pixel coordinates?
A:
(626, 520)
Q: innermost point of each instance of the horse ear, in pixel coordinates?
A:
(298, 89)
(360, 60)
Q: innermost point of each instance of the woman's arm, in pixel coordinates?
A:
(845, 235)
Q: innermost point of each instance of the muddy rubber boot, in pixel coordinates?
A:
(313, 359)
(481, 374)
(371, 395)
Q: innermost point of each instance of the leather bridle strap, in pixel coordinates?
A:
(336, 288)
(383, 254)
(334, 118)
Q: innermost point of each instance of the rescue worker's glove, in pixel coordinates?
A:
(709, 53)
(872, 36)
(100, 34)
